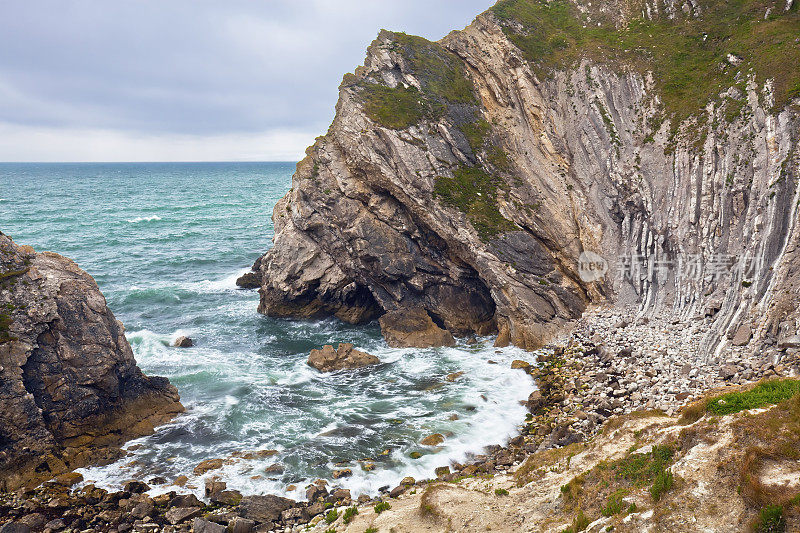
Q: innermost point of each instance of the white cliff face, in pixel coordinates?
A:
(700, 223)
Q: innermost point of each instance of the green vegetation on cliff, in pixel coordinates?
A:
(689, 55)
(474, 192)
(441, 75)
(397, 108)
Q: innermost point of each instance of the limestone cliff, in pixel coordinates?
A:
(472, 177)
(70, 390)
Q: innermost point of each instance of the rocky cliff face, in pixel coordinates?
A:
(554, 155)
(70, 390)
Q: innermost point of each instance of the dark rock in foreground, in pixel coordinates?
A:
(344, 357)
(70, 390)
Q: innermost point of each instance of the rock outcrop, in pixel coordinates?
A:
(345, 357)
(70, 390)
(510, 175)
(414, 328)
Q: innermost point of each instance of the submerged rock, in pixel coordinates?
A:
(413, 328)
(432, 440)
(344, 357)
(70, 390)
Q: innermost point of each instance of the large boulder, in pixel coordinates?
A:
(264, 508)
(413, 328)
(70, 390)
(344, 357)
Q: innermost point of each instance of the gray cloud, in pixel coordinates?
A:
(192, 67)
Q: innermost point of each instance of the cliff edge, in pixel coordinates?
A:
(70, 390)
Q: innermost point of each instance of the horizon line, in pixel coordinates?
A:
(137, 162)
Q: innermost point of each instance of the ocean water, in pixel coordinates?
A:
(165, 243)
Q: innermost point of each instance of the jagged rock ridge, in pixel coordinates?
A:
(468, 176)
(70, 390)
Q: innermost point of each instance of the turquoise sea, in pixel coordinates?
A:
(166, 242)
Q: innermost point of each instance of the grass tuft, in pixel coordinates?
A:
(770, 520)
(766, 393)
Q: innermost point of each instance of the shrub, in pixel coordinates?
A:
(349, 513)
(500, 492)
(382, 506)
(663, 482)
(331, 516)
(579, 523)
(770, 520)
(615, 503)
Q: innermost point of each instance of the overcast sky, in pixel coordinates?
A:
(188, 80)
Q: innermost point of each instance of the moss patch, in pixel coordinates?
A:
(397, 108)
(688, 55)
(474, 192)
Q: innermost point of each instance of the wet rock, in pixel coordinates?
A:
(413, 328)
(207, 466)
(183, 342)
(158, 480)
(275, 468)
(214, 485)
(229, 498)
(397, 491)
(69, 479)
(454, 376)
(344, 472)
(519, 364)
(432, 440)
(185, 500)
(344, 357)
(442, 471)
(408, 481)
(340, 495)
(314, 492)
(136, 487)
(180, 481)
(249, 280)
(264, 508)
(536, 402)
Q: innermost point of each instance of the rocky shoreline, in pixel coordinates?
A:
(582, 382)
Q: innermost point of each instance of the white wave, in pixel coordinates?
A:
(495, 391)
(136, 220)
